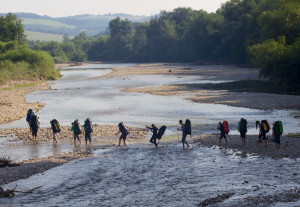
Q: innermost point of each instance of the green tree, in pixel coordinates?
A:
(279, 62)
(11, 28)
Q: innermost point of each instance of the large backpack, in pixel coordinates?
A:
(278, 128)
(29, 115)
(265, 126)
(243, 125)
(122, 128)
(55, 125)
(77, 127)
(161, 131)
(88, 126)
(226, 127)
(188, 127)
(34, 122)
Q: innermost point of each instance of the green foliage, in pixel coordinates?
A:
(11, 28)
(240, 32)
(24, 63)
(17, 61)
(278, 61)
(69, 50)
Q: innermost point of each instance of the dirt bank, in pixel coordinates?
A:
(13, 105)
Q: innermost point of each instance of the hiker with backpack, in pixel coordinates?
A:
(186, 129)
(30, 112)
(88, 130)
(242, 128)
(34, 125)
(222, 133)
(124, 132)
(263, 130)
(55, 129)
(153, 128)
(76, 130)
(277, 131)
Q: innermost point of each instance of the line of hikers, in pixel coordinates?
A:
(157, 134)
(263, 127)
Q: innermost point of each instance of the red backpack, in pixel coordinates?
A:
(225, 126)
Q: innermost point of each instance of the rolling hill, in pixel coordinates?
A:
(71, 25)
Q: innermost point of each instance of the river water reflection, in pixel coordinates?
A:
(77, 96)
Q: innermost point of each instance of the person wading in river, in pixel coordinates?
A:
(34, 125)
(88, 130)
(222, 133)
(154, 135)
(76, 129)
(184, 133)
(124, 132)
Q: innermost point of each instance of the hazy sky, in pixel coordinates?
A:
(59, 8)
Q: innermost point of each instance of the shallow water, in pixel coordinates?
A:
(77, 96)
(140, 175)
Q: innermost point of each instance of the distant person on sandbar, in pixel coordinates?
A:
(153, 128)
(88, 130)
(34, 125)
(76, 129)
(185, 130)
(222, 133)
(55, 129)
(124, 132)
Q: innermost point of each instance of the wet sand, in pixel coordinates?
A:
(289, 146)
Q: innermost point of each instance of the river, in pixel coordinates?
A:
(140, 175)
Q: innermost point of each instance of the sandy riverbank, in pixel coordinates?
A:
(208, 72)
(289, 146)
(13, 105)
(101, 133)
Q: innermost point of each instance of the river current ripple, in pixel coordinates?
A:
(140, 175)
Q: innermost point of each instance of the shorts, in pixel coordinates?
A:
(123, 136)
(223, 136)
(263, 136)
(277, 139)
(183, 137)
(87, 137)
(34, 132)
(76, 136)
(243, 134)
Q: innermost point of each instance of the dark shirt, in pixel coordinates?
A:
(154, 130)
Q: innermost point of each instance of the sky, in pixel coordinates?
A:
(62, 8)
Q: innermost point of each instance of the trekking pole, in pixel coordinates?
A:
(229, 136)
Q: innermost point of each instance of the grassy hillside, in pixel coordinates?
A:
(45, 22)
(43, 36)
(72, 25)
